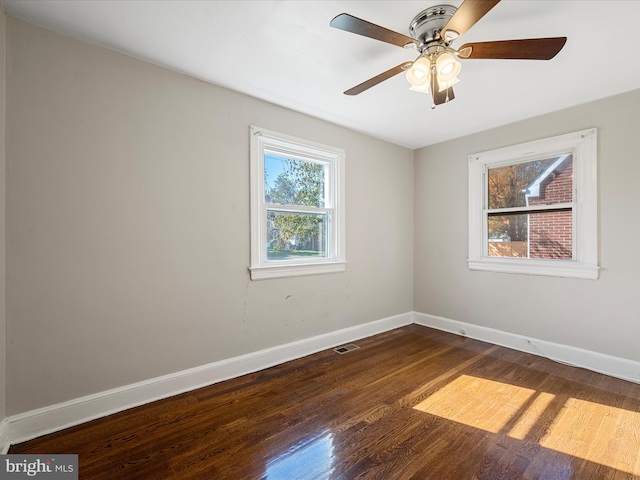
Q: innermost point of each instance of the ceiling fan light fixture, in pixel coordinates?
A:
(447, 67)
(442, 86)
(418, 74)
(422, 89)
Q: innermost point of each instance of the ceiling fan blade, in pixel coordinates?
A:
(372, 82)
(352, 24)
(468, 15)
(526, 49)
(440, 97)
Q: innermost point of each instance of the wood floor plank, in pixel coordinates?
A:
(412, 403)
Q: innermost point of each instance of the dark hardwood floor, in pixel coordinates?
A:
(413, 403)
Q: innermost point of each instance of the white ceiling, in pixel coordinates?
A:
(286, 53)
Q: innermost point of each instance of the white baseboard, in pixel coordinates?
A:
(35, 423)
(598, 362)
(4, 436)
(28, 425)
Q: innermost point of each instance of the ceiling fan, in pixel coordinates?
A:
(432, 31)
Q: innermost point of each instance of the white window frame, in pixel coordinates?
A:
(334, 160)
(583, 146)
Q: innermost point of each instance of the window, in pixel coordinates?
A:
(297, 207)
(533, 207)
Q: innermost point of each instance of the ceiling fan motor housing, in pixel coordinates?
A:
(427, 25)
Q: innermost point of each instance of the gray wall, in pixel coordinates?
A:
(128, 224)
(601, 315)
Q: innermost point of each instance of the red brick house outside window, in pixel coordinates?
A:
(533, 207)
(531, 214)
(550, 233)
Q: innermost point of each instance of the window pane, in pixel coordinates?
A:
(293, 182)
(293, 235)
(508, 236)
(551, 235)
(544, 235)
(540, 182)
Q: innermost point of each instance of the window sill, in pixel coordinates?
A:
(536, 267)
(296, 270)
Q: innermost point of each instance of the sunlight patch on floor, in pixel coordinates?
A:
(598, 433)
(595, 432)
(531, 414)
(477, 402)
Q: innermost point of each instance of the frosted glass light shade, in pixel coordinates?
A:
(444, 85)
(422, 88)
(418, 74)
(447, 67)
